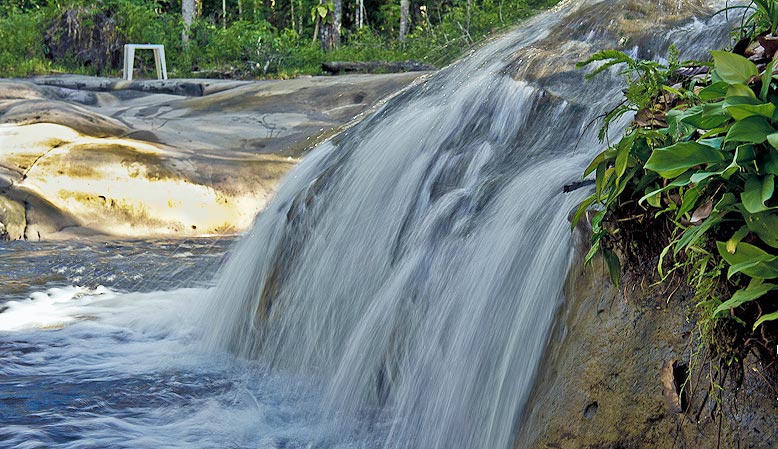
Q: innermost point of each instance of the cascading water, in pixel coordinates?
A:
(397, 293)
(413, 264)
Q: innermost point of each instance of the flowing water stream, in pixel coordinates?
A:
(396, 293)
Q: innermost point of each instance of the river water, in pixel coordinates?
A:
(396, 293)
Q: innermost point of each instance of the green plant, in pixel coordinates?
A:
(711, 170)
(620, 167)
(646, 80)
(759, 15)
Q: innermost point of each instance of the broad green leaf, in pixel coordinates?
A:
(614, 267)
(745, 295)
(599, 178)
(768, 162)
(757, 191)
(763, 318)
(675, 159)
(764, 225)
(691, 116)
(750, 130)
(732, 68)
(742, 111)
(767, 78)
(680, 181)
(654, 200)
(749, 260)
(688, 202)
(715, 142)
(677, 129)
(725, 173)
(622, 157)
(773, 140)
(592, 251)
(761, 267)
(727, 200)
(715, 132)
(713, 116)
(582, 208)
(740, 90)
(594, 163)
(607, 180)
(714, 91)
(746, 153)
(742, 99)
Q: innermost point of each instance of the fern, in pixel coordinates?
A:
(611, 58)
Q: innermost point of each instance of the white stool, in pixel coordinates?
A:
(159, 59)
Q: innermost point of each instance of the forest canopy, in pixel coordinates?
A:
(244, 38)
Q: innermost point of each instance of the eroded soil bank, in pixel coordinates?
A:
(84, 155)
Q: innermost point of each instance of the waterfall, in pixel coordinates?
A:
(412, 265)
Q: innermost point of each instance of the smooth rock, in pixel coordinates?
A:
(82, 155)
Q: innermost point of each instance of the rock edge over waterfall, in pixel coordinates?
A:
(85, 155)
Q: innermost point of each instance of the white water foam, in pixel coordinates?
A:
(95, 368)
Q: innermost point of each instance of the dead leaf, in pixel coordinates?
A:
(674, 198)
(702, 212)
(769, 43)
(669, 387)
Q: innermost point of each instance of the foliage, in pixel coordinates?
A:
(645, 79)
(709, 165)
(21, 53)
(759, 17)
(259, 40)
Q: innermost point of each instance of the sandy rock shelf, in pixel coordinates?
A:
(98, 156)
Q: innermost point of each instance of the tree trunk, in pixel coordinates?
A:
(291, 4)
(404, 7)
(189, 14)
(316, 24)
(360, 14)
(224, 13)
(336, 19)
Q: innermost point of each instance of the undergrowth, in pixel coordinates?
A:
(261, 44)
(700, 158)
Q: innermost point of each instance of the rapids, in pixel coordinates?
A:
(396, 293)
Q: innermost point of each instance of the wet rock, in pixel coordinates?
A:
(128, 162)
(13, 219)
(619, 356)
(339, 67)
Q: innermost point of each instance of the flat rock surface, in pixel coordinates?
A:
(87, 155)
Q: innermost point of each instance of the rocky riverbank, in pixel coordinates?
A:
(616, 371)
(84, 155)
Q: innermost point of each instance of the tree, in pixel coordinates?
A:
(336, 19)
(189, 10)
(325, 19)
(404, 7)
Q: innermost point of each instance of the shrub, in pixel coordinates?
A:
(704, 154)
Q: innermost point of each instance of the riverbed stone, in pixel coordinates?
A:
(88, 155)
